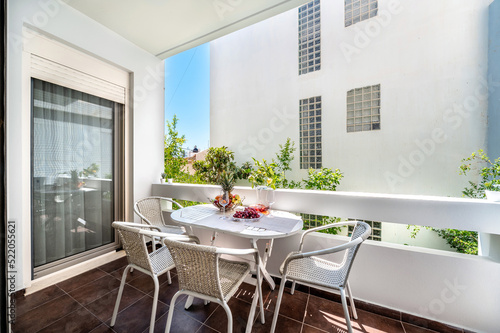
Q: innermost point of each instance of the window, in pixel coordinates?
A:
(363, 109)
(359, 10)
(72, 171)
(310, 133)
(376, 233)
(309, 37)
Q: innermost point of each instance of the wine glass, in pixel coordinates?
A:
(271, 199)
(224, 201)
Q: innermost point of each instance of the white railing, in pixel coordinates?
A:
(438, 212)
(458, 289)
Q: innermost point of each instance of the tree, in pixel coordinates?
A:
(219, 160)
(173, 152)
(489, 173)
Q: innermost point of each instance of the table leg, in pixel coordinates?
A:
(214, 237)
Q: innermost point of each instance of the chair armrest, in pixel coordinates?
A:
(323, 227)
(238, 252)
(163, 235)
(138, 225)
(329, 250)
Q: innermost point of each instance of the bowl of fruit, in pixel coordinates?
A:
(249, 214)
(234, 201)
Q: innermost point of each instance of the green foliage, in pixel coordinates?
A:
(217, 161)
(264, 174)
(173, 152)
(90, 171)
(273, 174)
(489, 173)
(461, 240)
(324, 179)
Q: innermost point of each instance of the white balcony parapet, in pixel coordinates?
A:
(438, 212)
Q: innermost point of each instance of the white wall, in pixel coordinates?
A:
(430, 59)
(71, 27)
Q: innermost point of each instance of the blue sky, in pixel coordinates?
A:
(187, 94)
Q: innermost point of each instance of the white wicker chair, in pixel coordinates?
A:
(156, 263)
(310, 269)
(203, 274)
(149, 210)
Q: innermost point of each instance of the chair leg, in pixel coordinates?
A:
(171, 311)
(351, 301)
(155, 304)
(119, 297)
(189, 302)
(259, 291)
(169, 277)
(293, 287)
(229, 317)
(346, 310)
(278, 304)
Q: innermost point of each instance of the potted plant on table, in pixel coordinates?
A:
(226, 200)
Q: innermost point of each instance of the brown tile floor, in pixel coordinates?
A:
(85, 304)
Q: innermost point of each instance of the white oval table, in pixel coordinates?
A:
(279, 225)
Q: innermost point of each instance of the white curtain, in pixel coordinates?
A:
(72, 171)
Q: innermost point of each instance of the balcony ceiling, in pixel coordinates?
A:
(167, 27)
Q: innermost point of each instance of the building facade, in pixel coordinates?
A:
(393, 93)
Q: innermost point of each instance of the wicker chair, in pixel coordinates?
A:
(150, 212)
(310, 269)
(203, 274)
(156, 263)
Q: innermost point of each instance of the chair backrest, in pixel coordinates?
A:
(149, 210)
(361, 230)
(134, 245)
(197, 267)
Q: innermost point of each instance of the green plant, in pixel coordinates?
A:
(90, 171)
(264, 174)
(173, 152)
(324, 179)
(489, 172)
(284, 159)
(226, 181)
(217, 161)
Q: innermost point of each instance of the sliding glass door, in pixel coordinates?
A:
(74, 163)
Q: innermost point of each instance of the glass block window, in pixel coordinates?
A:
(310, 133)
(363, 109)
(309, 37)
(311, 220)
(359, 10)
(376, 233)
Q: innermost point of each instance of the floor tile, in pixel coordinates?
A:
(114, 265)
(324, 314)
(80, 280)
(94, 290)
(80, 321)
(310, 329)
(181, 323)
(103, 328)
(246, 292)
(46, 314)
(283, 324)
(240, 311)
(146, 284)
(27, 303)
(292, 306)
(206, 329)
(103, 307)
(136, 317)
(130, 275)
(198, 310)
(370, 322)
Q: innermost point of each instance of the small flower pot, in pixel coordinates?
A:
(170, 180)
